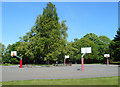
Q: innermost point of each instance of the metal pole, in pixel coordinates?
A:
(82, 62)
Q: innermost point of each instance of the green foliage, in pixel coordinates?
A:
(2, 52)
(7, 55)
(46, 40)
(102, 44)
(14, 61)
(105, 39)
(115, 47)
(84, 42)
(117, 37)
(99, 45)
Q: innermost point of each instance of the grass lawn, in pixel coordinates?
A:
(117, 63)
(85, 81)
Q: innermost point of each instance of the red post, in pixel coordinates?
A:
(64, 61)
(20, 62)
(107, 61)
(82, 62)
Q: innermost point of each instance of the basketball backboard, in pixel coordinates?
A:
(13, 53)
(106, 55)
(86, 50)
(66, 56)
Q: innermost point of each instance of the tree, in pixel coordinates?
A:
(7, 55)
(70, 50)
(51, 33)
(115, 47)
(46, 40)
(85, 42)
(102, 44)
(105, 39)
(2, 52)
(117, 37)
(14, 61)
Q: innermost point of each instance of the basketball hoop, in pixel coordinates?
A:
(107, 55)
(66, 56)
(14, 54)
(84, 50)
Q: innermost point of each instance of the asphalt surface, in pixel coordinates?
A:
(10, 73)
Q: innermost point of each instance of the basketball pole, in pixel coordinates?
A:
(64, 61)
(14, 54)
(107, 61)
(107, 56)
(84, 50)
(20, 62)
(66, 56)
(82, 62)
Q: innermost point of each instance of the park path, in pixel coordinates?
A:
(10, 73)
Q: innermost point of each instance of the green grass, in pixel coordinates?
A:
(85, 81)
(118, 62)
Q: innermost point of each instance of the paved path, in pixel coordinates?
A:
(10, 73)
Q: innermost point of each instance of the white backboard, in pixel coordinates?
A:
(106, 55)
(86, 50)
(66, 56)
(14, 53)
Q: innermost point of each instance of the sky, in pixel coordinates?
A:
(100, 18)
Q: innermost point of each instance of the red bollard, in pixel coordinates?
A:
(20, 62)
(82, 62)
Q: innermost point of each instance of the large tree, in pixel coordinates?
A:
(84, 42)
(101, 42)
(46, 40)
(50, 33)
(115, 47)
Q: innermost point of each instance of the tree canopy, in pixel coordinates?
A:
(46, 40)
(115, 47)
